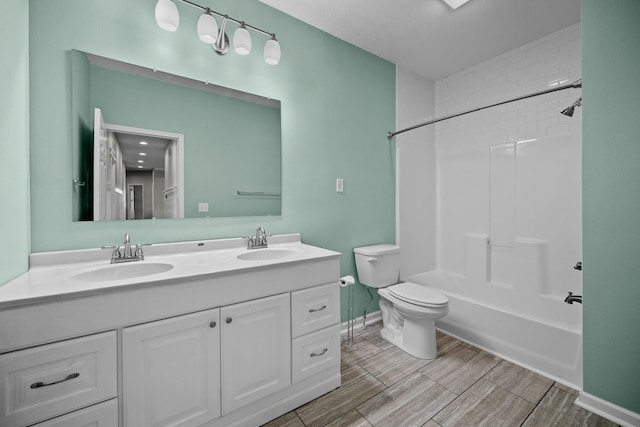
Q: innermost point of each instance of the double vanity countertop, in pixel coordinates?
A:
(62, 275)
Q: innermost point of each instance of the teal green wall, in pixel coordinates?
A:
(338, 102)
(229, 144)
(14, 143)
(611, 200)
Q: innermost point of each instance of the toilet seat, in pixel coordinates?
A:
(419, 295)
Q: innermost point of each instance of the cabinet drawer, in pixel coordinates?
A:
(314, 308)
(43, 382)
(315, 352)
(102, 415)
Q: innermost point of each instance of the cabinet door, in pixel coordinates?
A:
(256, 350)
(171, 371)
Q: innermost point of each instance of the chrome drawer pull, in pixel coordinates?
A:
(313, 310)
(319, 354)
(69, 377)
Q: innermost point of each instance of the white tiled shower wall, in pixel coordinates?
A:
(484, 160)
(545, 63)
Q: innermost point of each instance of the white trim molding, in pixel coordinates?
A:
(612, 412)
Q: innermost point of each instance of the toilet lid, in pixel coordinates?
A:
(417, 294)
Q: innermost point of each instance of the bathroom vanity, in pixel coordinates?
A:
(197, 333)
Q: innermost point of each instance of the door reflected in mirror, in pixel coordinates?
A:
(215, 146)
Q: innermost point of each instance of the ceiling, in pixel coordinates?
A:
(153, 156)
(429, 38)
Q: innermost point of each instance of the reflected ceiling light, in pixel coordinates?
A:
(168, 18)
(143, 143)
(454, 4)
(167, 15)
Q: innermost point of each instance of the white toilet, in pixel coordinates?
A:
(409, 310)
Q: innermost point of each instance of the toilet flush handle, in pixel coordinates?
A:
(372, 260)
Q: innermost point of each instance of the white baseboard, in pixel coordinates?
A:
(612, 412)
(376, 316)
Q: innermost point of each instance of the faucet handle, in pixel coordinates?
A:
(126, 238)
(116, 251)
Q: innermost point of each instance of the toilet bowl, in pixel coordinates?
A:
(409, 310)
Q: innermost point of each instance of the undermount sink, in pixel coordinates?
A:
(265, 254)
(122, 271)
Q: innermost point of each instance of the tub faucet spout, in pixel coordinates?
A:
(571, 298)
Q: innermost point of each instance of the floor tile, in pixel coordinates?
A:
(445, 342)
(485, 404)
(338, 402)
(410, 402)
(557, 409)
(353, 373)
(290, 419)
(519, 381)
(350, 419)
(459, 368)
(372, 334)
(363, 349)
(393, 364)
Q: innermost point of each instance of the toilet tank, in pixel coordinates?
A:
(378, 265)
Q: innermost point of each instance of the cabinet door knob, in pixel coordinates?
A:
(229, 319)
(212, 324)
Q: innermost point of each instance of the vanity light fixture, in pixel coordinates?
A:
(168, 18)
(453, 4)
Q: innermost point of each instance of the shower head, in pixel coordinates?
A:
(569, 110)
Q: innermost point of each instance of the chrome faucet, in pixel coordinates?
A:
(127, 253)
(571, 298)
(259, 240)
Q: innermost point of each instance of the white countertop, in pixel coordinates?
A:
(52, 275)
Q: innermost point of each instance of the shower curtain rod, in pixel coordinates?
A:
(574, 85)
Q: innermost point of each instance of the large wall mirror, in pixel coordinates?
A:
(151, 145)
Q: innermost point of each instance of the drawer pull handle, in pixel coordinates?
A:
(69, 377)
(313, 310)
(319, 354)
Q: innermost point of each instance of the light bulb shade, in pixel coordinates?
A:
(167, 16)
(272, 51)
(242, 40)
(207, 28)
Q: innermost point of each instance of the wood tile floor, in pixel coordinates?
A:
(463, 386)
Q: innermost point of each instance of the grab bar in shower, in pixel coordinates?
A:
(499, 243)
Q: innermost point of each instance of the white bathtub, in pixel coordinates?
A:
(541, 333)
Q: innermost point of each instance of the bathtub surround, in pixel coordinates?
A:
(508, 208)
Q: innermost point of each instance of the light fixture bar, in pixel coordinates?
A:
(222, 15)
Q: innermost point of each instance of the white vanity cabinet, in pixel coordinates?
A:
(46, 381)
(219, 340)
(256, 350)
(171, 371)
(315, 329)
